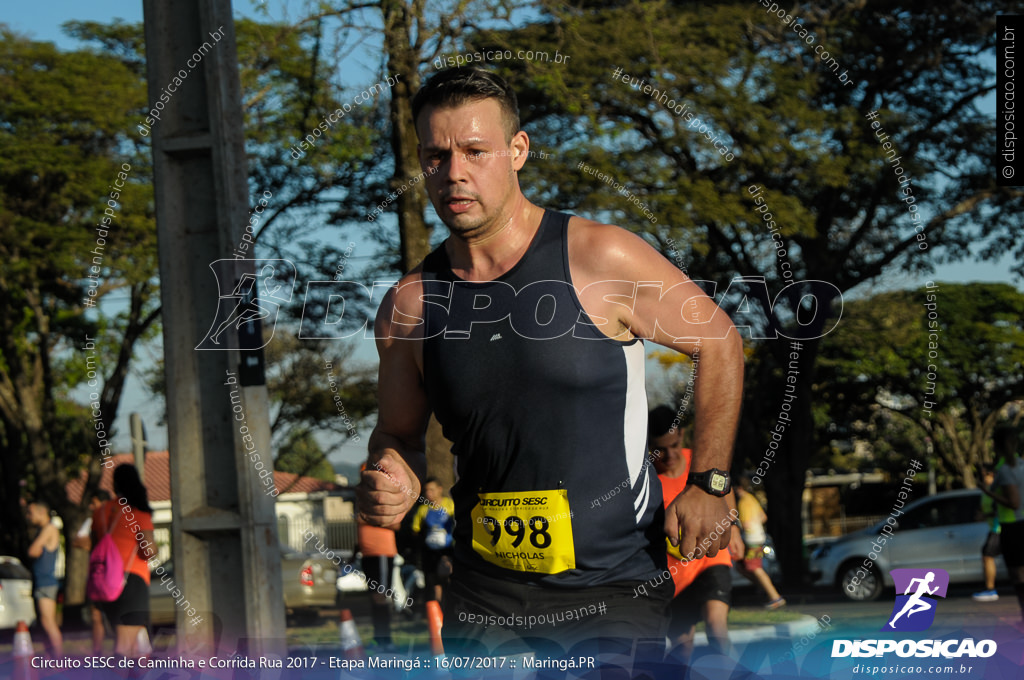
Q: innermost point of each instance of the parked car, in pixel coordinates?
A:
(308, 584)
(943, 531)
(15, 593)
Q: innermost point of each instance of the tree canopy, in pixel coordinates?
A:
(948, 359)
(77, 290)
(78, 240)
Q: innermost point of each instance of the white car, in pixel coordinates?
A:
(15, 593)
(944, 531)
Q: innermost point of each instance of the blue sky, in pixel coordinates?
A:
(43, 21)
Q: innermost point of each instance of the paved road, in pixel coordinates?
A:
(957, 611)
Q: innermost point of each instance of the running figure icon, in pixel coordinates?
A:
(248, 308)
(250, 294)
(915, 603)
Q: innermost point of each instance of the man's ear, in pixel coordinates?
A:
(520, 145)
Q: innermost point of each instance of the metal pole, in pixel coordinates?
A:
(138, 444)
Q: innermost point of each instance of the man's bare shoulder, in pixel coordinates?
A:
(401, 311)
(608, 251)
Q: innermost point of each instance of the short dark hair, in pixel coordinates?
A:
(128, 485)
(1004, 440)
(660, 421)
(464, 85)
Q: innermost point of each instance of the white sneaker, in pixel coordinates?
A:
(986, 596)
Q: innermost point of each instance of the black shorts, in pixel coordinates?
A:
(432, 559)
(714, 583)
(132, 608)
(485, 616)
(431, 568)
(991, 547)
(378, 568)
(1012, 543)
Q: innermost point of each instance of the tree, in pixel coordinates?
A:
(301, 454)
(318, 393)
(78, 291)
(76, 228)
(810, 191)
(412, 36)
(304, 168)
(317, 387)
(946, 359)
(301, 171)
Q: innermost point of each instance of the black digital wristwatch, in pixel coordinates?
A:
(714, 481)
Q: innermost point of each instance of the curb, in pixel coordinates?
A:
(805, 625)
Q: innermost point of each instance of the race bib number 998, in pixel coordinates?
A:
(528, 531)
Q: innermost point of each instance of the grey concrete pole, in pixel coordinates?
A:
(224, 533)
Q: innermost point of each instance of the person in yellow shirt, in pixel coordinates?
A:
(434, 525)
(752, 519)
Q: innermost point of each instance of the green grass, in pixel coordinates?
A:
(752, 618)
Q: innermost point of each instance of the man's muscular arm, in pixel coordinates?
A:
(670, 309)
(717, 391)
(390, 485)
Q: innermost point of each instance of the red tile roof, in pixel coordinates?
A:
(158, 479)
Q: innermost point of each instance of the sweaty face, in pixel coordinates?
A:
(666, 453)
(470, 167)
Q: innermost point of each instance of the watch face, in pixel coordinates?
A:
(718, 482)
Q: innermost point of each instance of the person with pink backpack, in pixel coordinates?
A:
(119, 564)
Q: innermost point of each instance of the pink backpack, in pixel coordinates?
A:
(107, 574)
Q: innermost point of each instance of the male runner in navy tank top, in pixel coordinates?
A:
(522, 333)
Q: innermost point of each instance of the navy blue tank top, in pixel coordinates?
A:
(44, 569)
(548, 417)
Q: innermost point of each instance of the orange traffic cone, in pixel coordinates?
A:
(351, 643)
(23, 652)
(435, 619)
